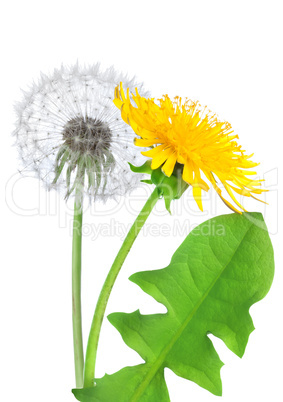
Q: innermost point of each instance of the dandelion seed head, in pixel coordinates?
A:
(71, 136)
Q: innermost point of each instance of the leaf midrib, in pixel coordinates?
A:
(157, 364)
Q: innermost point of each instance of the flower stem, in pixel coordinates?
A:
(93, 339)
(76, 293)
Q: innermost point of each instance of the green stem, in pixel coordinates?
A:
(76, 293)
(93, 339)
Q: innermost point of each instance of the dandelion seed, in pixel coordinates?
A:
(69, 125)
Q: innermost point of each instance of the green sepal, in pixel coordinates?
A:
(147, 181)
(170, 188)
(61, 158)
(145, 168)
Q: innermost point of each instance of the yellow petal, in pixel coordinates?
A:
(118, 103)
(152, 152)
(121, 92)
(116, 93)
(219, 192)
(141, 119)
(240, 191)
(188, 173)
(259, 199)
(197, 196)
(125, 113)
(199, 182)
(169, 165)
(249, 164)
(140, 142)
(233, 197)
(160, 158)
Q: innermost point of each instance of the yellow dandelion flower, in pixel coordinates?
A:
(184, 132)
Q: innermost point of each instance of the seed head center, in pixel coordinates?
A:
(85, 134)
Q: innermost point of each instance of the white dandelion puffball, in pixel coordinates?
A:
(71, 135)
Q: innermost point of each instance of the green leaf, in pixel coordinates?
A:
(117, 387)
(223, 267)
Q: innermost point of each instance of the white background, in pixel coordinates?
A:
(228, 55)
